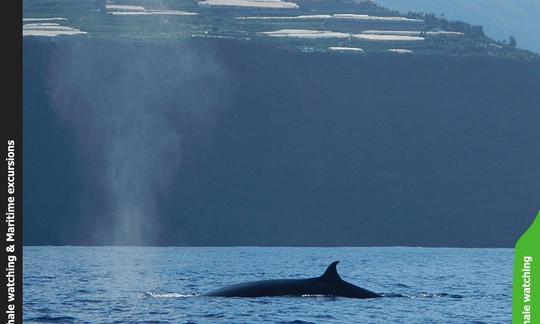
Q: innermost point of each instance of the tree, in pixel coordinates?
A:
(512, 42)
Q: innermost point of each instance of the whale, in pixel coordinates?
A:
(328, 284)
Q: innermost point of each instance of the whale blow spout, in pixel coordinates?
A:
(328, 284)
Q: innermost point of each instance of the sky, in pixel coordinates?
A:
(500, 18)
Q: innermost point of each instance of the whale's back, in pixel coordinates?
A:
(330, 284)
(277, 287)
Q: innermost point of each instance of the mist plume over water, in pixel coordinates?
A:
(129, 107)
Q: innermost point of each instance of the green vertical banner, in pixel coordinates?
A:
(526, 284)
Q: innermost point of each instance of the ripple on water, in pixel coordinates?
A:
(157, 287)
(436, 295)
(152, 294)
(402, 285)
(52, 319)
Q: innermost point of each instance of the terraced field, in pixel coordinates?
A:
(304, 25)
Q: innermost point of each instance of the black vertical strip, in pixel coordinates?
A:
(11, 148)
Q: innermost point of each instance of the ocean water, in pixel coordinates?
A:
(163, 285)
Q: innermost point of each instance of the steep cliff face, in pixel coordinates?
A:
(294, 148)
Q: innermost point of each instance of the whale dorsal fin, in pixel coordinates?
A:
(331, 272)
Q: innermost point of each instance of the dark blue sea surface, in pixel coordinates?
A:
(163, 284)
